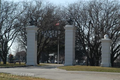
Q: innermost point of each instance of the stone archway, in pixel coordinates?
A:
(69, 45)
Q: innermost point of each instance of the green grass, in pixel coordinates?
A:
(90, 68)
(4, 76)
(7, 65)
(42, 64)
(11, 65)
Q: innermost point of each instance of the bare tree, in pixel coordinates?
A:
(8, 27)
(93, 21)
(45, 17)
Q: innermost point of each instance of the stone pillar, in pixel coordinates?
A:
(69, 45)
(106, 56)
(31, 45)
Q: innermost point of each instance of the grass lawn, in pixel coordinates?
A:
(90, 68)
(4, 76)
(7, 65)
(11, 64)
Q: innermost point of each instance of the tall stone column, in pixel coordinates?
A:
(31, 45)
(106, 56)
(69, 45)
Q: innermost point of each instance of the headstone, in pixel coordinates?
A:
(69, 45)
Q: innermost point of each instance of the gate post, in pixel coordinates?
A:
(31, 45)
(69, 45)
(106, 56)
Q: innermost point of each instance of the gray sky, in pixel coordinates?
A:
(56, 2)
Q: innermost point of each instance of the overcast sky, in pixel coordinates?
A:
(56, 2)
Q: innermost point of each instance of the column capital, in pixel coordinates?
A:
(106, 40)
(70, 27)
(31, 28)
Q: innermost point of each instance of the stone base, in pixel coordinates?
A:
(69, 64)
(30, 64)
(105, 65)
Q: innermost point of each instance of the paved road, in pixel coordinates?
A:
(53, 73)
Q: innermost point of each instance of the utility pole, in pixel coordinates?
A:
(58, 49)
(0, 28)
(0, 8)
(58, 32)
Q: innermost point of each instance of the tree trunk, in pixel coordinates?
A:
(97, 63)
(38, 58)
(87, 60)
(4, 56)
(92, 62)
(112, 62)
(4, 61)
(97, 59)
